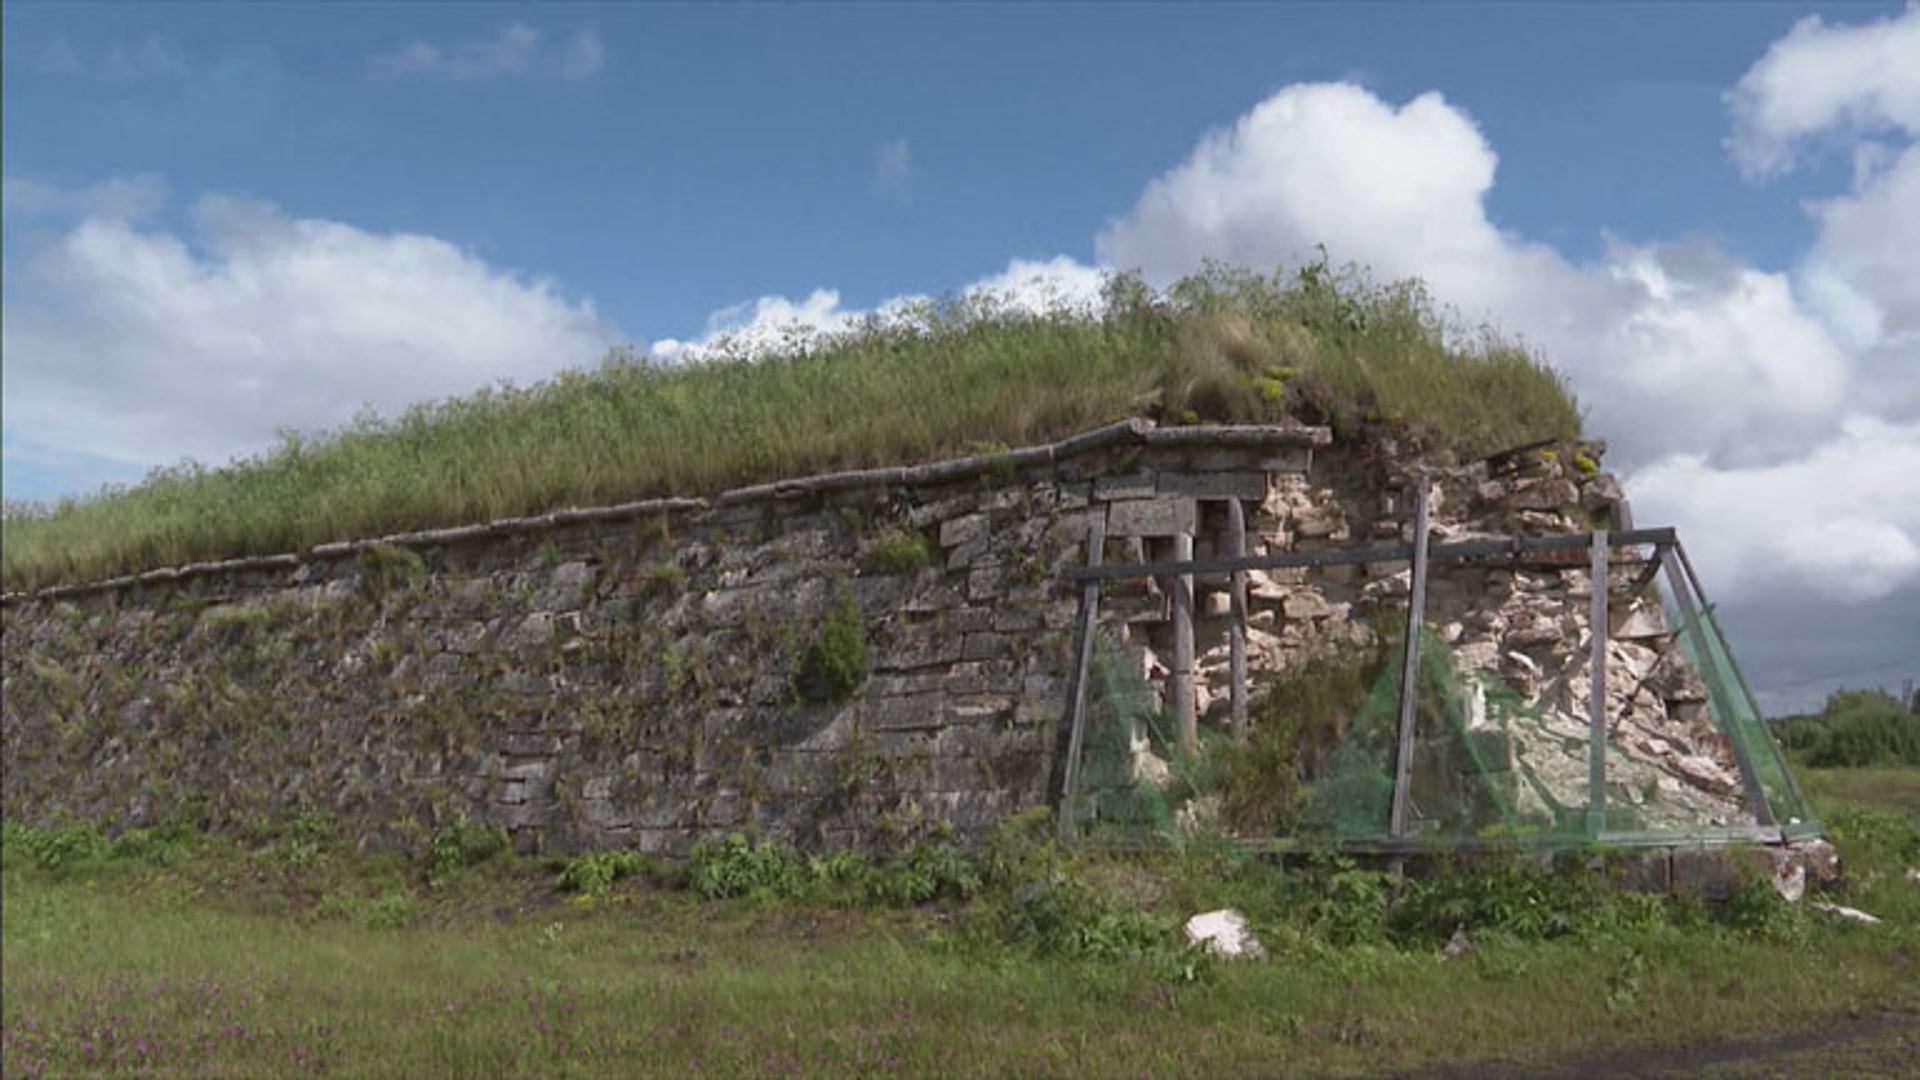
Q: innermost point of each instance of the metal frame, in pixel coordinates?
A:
(1669, 559)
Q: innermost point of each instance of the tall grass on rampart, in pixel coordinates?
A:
(953, 375)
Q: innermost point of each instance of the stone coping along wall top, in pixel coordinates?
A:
(1135, 430)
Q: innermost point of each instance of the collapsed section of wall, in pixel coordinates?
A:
(1503, 735)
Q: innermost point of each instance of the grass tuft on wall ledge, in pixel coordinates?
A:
(1316, 345)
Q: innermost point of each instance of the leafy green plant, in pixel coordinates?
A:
(835, 665)
(925, 872)
(57, 849)
(391, 910)
(1503, 896)
(1061, 917)
(458, 845)
(69, 849)
(593, 873)
(1755, 909)
(737, 866)
(1346, 904)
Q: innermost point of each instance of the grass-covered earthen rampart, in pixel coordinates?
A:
(949, 378)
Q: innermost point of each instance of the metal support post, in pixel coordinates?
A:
(1410, 667)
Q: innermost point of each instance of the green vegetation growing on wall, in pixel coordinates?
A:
(899, 551)
(835, 664)
(1315, 345)
(1295, 722)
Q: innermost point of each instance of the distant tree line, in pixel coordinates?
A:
(1856, 727)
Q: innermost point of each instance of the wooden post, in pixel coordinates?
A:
(1597, 695)
(1410, 666)
(1082, 664)
(1691, 617)
(1180, 681)
(1237, 614)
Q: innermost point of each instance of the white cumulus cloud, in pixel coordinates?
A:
(144, 346)
(1841, 521)
(773, 323)
(1837, 83)
(1398, 189)
(1864, 263)
(1651, 334)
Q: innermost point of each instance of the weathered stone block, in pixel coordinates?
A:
(986, 646)
(1546, 494)
(987, 582)
(916, 646)
(1160, 516)
(976, 677)
(941, 510)
(964, 530)
(912, 712)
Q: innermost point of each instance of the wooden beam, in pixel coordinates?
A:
(1410, 665)
(1077, 681)
(1699, 837)
(1237, 614)
(1597, 635)
(1461, 549)
(1180, 681)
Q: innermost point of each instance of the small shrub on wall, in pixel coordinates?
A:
(836, 663)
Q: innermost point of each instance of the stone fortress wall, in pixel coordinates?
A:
(830, 660)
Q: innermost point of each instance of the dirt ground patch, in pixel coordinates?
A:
(1879, 1046)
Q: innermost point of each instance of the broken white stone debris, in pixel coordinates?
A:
(1845, 912)
(1224, 932)
(1790, 880)
(1458, 943)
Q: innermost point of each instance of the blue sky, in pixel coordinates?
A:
(222, 220)
(717, 154)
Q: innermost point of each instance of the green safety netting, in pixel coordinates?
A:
(1739, 715)
(1486, 764)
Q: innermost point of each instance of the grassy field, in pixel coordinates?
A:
(283, 954)
(957, 377)
(1893, 788)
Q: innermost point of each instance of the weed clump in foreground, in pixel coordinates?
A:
(1316, 345)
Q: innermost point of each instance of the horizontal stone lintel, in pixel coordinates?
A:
(1164, 516)
(1246, 486)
